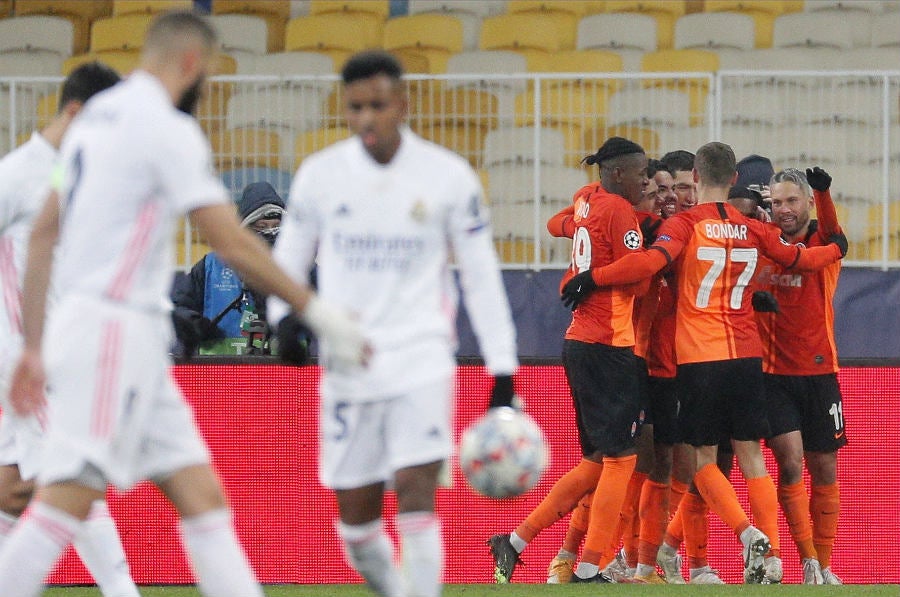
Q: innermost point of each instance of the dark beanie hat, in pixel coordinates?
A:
(754, 170)
(258, 201)
(612, 148)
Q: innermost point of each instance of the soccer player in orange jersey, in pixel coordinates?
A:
(715, 251)
(600, 366)
(800, 365)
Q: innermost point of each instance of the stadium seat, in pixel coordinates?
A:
(434, 36)
(6, 7)
(762, 11)
(37, 33)
(121, 62)
(237, 178)
(481, 8)
(842, 6)
(664, 11)
(274, 12)
(246, 147)
(29, 64)
(823, 29)
(126, 7)
(715, 31)
(334, 34)
(310, 142)
(760, 105)
(560, 114)
(517, 145)
(243, 37)
(477, 69)
(646, 138)
(748, 138)
(534, 36)
(306, 71)
(565, 15)
(649, 107)
(456, 105)
(699, 61)
(886, 30)
(80, 13)
(471, 21)
(628, 34)
(379, 9)
(466, 139)
(284, 110)
(120, 33)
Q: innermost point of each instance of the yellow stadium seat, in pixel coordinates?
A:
(125, 7)
(563, 15)
(79, 12)
(433, 36)
(46, 109)
(123, 62)
(457, 106)
(412, 61)
(119, 33)
(533, 35)
(762, 11)
(586, 61)
(312, 141)
(666, 13)
(335, 34)
(646, 138)
(569, 110)
(466, 139)
(579, 8)
(275, 12)
(514, 250)
(245, 147)
(380, 9)
(691, 60)
(5, 8)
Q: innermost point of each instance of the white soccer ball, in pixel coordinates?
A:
(503, 454)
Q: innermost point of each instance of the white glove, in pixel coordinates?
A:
(346, 346)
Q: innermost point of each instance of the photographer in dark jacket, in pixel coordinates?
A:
(211, 301)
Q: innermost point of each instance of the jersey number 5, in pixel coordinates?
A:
(719, 256)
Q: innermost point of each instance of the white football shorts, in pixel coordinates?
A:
(362, 443)
(112, 402)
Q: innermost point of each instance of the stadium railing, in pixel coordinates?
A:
(262, 127)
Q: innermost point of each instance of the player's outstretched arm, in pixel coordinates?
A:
(27, 386)
(251, 258)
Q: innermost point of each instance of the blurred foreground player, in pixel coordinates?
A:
(380, 214)
(130, 166)
(25, 175)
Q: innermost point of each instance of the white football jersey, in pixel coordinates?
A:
(24, 183)
(384, 238)
(132, 164)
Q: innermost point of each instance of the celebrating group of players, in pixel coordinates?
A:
(697, 331)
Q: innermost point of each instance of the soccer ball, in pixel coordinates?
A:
(503, 454)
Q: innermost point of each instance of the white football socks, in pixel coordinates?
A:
(219, 563)
(423, 552)
(370, 552)
(32, 548)
(100, 548)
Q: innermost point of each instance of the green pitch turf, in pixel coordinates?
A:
(533, 590)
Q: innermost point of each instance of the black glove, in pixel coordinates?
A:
(503, 392)
(577, 289)
(649, 226)
(293, 340)
(840, 240)
(765, 302)
(818, 179)
(192, 328)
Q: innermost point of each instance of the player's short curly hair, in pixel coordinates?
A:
(369, 63)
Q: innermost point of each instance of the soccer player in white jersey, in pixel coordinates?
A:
(130, 165)
(24, 180)
(381, 214)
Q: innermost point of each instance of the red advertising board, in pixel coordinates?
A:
(260, 422)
